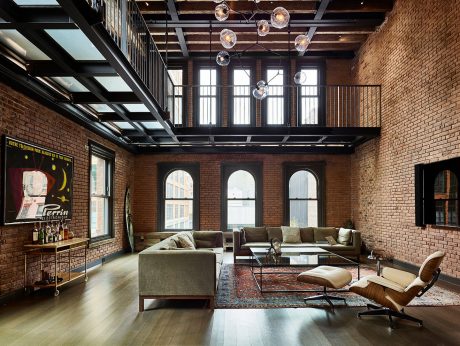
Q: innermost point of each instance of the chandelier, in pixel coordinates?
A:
(279, 19)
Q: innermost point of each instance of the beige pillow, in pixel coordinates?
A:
(183, 241)
(330, 239)
(291, 234)
(344, 236)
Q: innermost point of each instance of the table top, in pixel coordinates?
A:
(299, 256)
(59, 244)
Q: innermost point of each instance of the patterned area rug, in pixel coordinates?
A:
(238, 290)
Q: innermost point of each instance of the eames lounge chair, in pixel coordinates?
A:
(394, 288)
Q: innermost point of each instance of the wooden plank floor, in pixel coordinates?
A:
(104, 312)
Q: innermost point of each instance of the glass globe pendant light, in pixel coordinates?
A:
(218, 1)
(223, 58)
(300, 78)
(222, 11)
(280, 17)
(228, 38)
(301, 43)
(261, 90)
(263, 28)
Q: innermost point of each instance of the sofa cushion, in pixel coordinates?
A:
(291, 234)
(205, 243)
(330, 239)
(190, 236)
(168, 244)
(307, 235)
(205, 240)
(183, 241)
(322, 232)
(255, 234)
(265, 244)
(274, 232)
(344, 236)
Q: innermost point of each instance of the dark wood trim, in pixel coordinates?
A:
(143, 297)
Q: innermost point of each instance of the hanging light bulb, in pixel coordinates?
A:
(280, 17)
(228, 38)
(261, 90)
(218, 1)
(223, 58)
(256, 1)
(222, 11)
(263, 28)
(300, 78)
(301, 43)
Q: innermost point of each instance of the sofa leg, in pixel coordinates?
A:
(141, 304)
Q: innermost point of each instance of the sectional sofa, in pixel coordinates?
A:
(168, 270)
(248, 237)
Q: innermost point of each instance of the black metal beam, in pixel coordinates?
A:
(319, 14)
(50, 69)
(109, 97)
(179, 32)
(241, 24)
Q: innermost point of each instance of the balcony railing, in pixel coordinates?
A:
(126, 26)
(295, 106)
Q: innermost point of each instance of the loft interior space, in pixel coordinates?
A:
(210, 172)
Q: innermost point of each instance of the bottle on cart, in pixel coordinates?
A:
(35, 234)
(41, 236)
(66, 230)
(48, 235)
(61, 230)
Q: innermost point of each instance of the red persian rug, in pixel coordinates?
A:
(238, 290)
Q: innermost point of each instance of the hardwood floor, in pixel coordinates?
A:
(104, 312)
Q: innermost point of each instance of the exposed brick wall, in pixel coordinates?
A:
(25, 119)
(146, 190)
(415, 57)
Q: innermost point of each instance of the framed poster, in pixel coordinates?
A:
(37, 183)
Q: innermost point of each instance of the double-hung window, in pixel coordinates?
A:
(309, 97)
(177, 107)
(207, 96)
(101, 192)
(275, 106)
(242, 106)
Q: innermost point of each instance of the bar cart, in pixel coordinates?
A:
(70, 248)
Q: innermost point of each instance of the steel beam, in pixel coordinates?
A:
(319, 14)
(179, 32)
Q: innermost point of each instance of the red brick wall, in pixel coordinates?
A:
(415, 56)
(25, 119)
(146, 190)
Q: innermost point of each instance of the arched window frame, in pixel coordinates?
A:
(255, 169)
(315, 168)
(164, 170)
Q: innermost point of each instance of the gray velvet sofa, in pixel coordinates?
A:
(167, 271)
(248, 237)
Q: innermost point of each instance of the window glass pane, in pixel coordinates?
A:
(303, 213)
(113, 83)
(98, 175)
(241, 213)
(302, 184)
(179, 184)
(241, 97)
(241, 184)
(70, 84)
(75, 42)
(176, 76)
(36, 2)
(275, 77)
(178, 214)
(21, 45)
(309, 110)
(99, 216)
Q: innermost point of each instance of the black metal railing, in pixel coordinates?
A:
(306, 105)
(126, 26)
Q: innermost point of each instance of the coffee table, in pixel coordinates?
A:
(293, 258)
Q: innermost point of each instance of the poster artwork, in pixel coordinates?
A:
(37, 183)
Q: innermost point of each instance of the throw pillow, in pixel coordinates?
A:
(255, 234)
(291, 234)
(190, 236)
(205, 243)
(274, 232)
(184, 242)
(330, 239)
(168, 244)
(344, 237)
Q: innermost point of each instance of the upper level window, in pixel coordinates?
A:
(303, 199)
(101, 192)
(207, 96)
(178, 197)
(309, 97)
(275, 104)
(177, 103)
(446, 198)
(242, 109)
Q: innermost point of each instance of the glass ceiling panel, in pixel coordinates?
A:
(101, 108)
(151, 125)
(115, 83)
(22, 46)
(135, 107)
(75, 43)
(123, 125)
(70, 83)
(36, 2)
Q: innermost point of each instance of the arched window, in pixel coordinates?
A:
(241, 200)
(446, 198)
(179, 196)
(303, 199)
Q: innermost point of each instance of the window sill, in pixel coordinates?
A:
(446, 227)
(98, 242)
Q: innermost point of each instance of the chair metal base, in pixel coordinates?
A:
(325, 297)
(374, 310)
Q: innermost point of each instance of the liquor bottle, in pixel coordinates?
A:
(61, 231)
(35, 234)
(48, 235)
(66, 231)
(41, 236)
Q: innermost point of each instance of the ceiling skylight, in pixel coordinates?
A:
(70, 83)
(21, 46)
(135, 107)
(152, 125)
(115, 83)
(101, 108)
(124, 125)
(36, 2)
(75, 43)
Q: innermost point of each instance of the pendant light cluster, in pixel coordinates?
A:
(279, 19)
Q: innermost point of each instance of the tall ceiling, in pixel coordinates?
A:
(336, 27)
